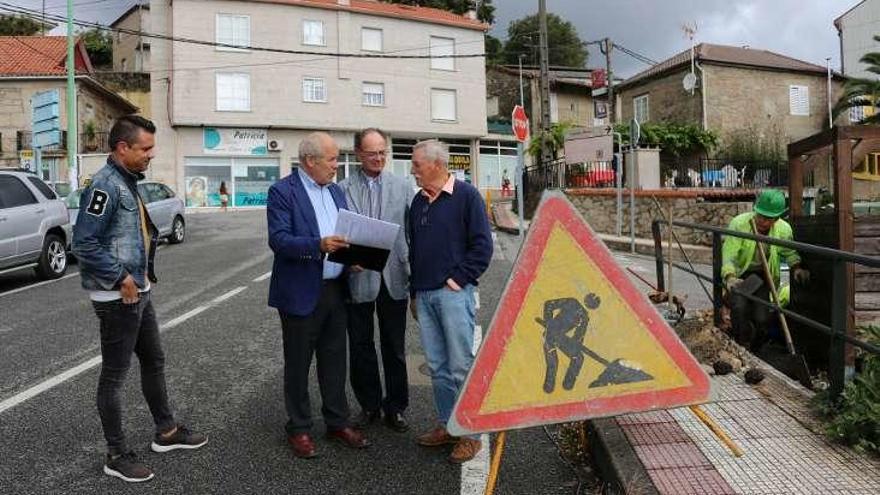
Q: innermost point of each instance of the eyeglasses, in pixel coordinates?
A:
(374, 154)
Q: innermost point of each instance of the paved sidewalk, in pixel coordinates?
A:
(781, 455)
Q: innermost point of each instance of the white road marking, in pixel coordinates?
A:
(478, 338)
(62, 377)
(46, 282)
(229, 294)
(262, 277)
(39, 284)
(475, 472)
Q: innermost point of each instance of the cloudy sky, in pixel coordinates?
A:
(798, 28)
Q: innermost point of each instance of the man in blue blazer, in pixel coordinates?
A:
(310, 292)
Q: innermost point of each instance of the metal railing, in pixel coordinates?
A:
(837, 331)
(724, 173)
(560, 175)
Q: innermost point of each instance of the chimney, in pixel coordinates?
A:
(344, 3)
(471, 14)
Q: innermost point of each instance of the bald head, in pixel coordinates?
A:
(317, 157)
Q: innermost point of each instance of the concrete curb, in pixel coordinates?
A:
(616, 461)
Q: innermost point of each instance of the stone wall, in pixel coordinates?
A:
(599, 208)
(667, 100)
(759, 99)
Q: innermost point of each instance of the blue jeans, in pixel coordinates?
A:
(446, 318)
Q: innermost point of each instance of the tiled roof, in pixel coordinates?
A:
(731, 55)
(373, 7)
(38, 56)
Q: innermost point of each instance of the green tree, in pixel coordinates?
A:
(485, 14)
(565, 46)
(99, 45)
(676, 139)
(554, 139)
(13, 25)
(494, 51)
(863, 91)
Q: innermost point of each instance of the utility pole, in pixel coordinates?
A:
(72, 175)
(828, 84)
(609, 81)
(546, 154)
(44, 18)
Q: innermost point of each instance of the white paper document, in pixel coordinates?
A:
(365, 231)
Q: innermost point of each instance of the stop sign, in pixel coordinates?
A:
(520, 123)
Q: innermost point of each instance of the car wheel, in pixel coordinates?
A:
(178, 231)
(53, 258)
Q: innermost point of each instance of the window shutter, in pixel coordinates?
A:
(799, 100)
(443, 104)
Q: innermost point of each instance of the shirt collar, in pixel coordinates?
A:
(367, 179)
(447, 188)
(308, 181)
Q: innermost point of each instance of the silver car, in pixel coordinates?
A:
(34, 228)
(165, 209)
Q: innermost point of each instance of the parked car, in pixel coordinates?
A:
(34, 227)
(62, 189)
(165, 209)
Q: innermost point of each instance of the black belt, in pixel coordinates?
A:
(332, 281)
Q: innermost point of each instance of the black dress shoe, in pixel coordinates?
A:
(396, 422)
(365, 418)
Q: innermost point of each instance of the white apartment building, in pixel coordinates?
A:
(237, 115)
(856, 29)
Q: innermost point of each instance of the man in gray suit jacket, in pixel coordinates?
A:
(377, 193)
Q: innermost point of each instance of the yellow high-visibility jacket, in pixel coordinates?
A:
(737, 253)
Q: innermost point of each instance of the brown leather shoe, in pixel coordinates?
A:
(465, 450)
(302, 445)
(436, 437)
(349, 437)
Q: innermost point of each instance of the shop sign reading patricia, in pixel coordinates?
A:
(235, 141)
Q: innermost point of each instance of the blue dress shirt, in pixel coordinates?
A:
(326, 214)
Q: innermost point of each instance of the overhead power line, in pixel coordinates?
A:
(635, 55)
(38, 15)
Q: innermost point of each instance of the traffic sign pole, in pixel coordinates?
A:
(520, 123)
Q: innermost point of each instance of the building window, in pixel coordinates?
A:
(443, 104)
(371, 39)
(869, 168)
(233, 92)
(799, 100)
(233, 30)
(441, 47)
(640, 108)
(313, 33)
(374, 94)
(314, 90)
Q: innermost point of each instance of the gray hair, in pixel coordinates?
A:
(312, 146)
(434, 150)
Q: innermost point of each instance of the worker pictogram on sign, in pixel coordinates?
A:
(573, 338)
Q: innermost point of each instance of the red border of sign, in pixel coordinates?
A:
(553, 210)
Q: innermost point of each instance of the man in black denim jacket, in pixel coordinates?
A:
(115, 243)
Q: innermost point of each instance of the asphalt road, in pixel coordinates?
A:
(224, 369)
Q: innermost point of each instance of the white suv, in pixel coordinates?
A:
(34, 230)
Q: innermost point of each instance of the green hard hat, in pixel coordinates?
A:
(770, 203)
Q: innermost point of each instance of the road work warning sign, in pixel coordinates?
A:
(573, 338)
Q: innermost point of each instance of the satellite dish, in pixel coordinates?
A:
(689, 82)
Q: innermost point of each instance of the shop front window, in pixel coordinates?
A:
(247, 180)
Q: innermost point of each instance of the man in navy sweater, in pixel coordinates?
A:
(450, 247)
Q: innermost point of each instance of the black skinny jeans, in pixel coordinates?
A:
(127, 329)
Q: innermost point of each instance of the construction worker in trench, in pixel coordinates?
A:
(742, 270)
